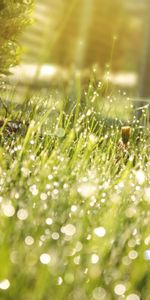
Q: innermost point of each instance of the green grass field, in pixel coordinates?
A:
(74, 207)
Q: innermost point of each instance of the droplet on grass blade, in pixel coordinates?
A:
(50, 176)
(45, 258)
(29, 241)
(147, 255)
(4, 284)
(77, 260)
(49, 221)
(8, 210)
(55, 236)
(33, 189)
(133, 254)
(74, 208)
(94, 259)
(93, 139)
(133, 297)
(43, 196)
(22, 214)
(78, 246)
(120, 289)
(87, 189)
(68, 229)
(140, 177)
(59, 280)
(147, 240)
(100, 231)
(99, 293)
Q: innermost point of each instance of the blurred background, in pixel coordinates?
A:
(108, 37)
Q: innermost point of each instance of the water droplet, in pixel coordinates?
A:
(33, 189)
(99, 293)
(78, 246)
(147, 254)
(133, 297)
(94, 258)
(43, 196)
(147, 240)
(87, 189)
(93, 139)
(59, 280)
(29, 240)
(119, 289)
(100, 231)
(55, 236)
(22, 214)
(74, 208)
(50, 176)
(140, 177)
(133, 254)
(77, 260)
(4, 284)
(68, 229)
(49, 221)
(8, 210)
(45, 258)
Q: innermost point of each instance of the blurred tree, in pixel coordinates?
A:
(13, 18)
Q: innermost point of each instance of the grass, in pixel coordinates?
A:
(74, 224)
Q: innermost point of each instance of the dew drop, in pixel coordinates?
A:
(133, 254)
(119, 289)
(55, 236)
(8, 210)
(94, 258)
(29, 240)
(87, 189)
(100, 231)
(43, 196)
(140, 177)
(22, 214)
(147, 255)
(68, 229)
(49, 221)
(133, 297)
(99, 293)
(45, 258)
(33, 189)
(4, 284)
(59, 280)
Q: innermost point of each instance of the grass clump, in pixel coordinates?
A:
(74, 223)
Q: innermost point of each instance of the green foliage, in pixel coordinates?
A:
(14, 16)
(74, 224)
